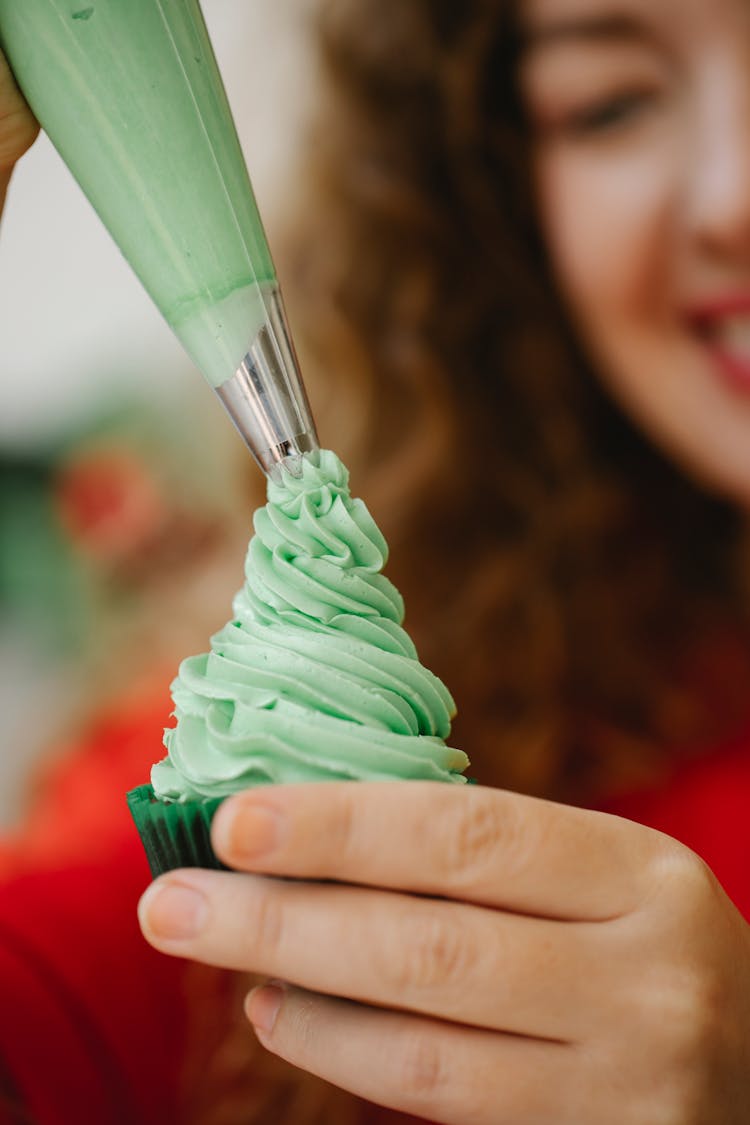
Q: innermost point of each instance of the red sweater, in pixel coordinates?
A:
(92, 1019)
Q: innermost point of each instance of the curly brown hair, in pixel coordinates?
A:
(560, 574)
(570, 585)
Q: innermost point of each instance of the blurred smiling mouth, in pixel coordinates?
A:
(723, 328)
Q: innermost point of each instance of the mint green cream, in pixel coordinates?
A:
(314, 678)
(130, 94)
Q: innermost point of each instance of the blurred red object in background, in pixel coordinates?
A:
(108, 502)
(119, 512)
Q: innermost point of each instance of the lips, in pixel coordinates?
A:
(723, 327)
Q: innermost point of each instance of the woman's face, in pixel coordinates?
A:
(641, 118)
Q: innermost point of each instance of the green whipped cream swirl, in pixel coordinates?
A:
(314, 678)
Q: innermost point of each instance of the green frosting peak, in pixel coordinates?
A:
(314, 677)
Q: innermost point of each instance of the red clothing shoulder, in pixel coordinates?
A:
(91, 1018)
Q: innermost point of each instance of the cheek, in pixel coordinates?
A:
(608, 227)
(614, 237)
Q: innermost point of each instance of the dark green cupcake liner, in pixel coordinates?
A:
(174, 834)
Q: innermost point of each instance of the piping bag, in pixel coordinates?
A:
(130, 94)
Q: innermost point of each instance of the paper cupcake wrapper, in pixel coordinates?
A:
(174, 834)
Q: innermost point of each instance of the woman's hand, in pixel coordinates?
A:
(475, 957)
(18, 126)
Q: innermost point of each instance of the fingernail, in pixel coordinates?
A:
(263, 1005)
(245, 830)
(173, 911)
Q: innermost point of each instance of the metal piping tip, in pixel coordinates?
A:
(266, 397)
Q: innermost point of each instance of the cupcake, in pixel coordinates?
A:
(313, 679)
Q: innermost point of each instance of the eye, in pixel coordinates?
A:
(608, 114)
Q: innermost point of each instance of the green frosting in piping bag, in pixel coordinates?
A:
(314, 678)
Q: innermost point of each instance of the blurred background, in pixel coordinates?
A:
(124, 507)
